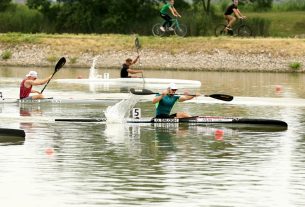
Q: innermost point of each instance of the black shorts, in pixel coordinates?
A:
(165, 116)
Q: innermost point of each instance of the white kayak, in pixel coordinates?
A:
(109, 100)
(153, 82)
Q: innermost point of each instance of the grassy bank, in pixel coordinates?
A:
(95, 44)
(196, 53)
(283, 24)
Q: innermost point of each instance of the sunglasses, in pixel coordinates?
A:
(174, 90)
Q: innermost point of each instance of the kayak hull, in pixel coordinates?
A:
(208, 120)
(159, 82)
(61, 101)
(12, 132)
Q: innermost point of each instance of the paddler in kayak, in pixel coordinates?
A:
(166, 100)
(27, 84)
(126, 72)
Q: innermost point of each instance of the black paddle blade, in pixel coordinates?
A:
(60, 64)
(222, 97)
(137, 43)
(141, 91)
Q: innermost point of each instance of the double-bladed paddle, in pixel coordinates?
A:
(144, 91)
(58, 66)
(138, 46)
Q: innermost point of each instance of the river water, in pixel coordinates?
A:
(95, 164)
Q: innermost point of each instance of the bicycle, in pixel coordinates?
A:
(177, 28)
(239, 29)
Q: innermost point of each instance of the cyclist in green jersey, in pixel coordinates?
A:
(169, 6)
(167, 99)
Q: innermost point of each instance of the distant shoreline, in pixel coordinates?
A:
(196, 54)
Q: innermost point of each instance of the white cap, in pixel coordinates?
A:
(172, 86)
(32, 74)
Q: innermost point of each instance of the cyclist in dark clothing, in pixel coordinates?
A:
(125, 71)
(232, 9)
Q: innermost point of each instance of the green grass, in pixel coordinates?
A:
(283, 24)
(17, 38)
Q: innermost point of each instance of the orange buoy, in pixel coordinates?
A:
(218, 134)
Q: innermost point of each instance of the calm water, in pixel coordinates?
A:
(91, 164)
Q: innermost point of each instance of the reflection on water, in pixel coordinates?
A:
(95, 164)
(119, 164)
(10, 140)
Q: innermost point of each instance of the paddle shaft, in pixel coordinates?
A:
(222, 97)
(48, 82)
(137, 44)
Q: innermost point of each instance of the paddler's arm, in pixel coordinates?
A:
(134, 71)
(159, 98)
(187, 97)
(34, 91)
(37, 81)
(136, 60)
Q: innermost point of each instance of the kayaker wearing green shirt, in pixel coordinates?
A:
(165, 102)
(164, 14)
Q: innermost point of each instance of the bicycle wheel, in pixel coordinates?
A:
(244, 31)
(220, 30)
(180, 30)
(156, 30)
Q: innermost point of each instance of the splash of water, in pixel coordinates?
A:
(92, 71)
(120, 111)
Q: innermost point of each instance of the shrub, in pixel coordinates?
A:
(295, 66)
(73, 60)
(6, 55)
(52, 59)
(20, 19)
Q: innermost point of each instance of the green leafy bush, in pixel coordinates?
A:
(7, 54)
(295, 66)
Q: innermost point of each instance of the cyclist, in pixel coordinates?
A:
(164, 14)
(231, 19)
(125, 71)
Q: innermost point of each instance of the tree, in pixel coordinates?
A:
(41, 5)
(262, 5)
(4, 4)
(206, 4)
(104, 16)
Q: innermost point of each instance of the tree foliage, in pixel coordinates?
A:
(115, 16)
(97, 16)
(262, 5)
(4, 4)
(206, 5)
